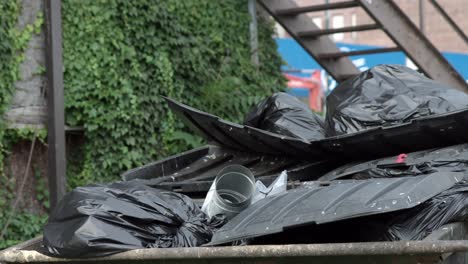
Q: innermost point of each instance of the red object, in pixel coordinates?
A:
(401, 158)
(313, 84)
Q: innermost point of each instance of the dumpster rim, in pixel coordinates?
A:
(399, 248)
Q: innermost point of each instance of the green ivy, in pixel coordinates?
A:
(14, 135)
(9, 49)
(122, 56)
(13, 42)
(23, 226)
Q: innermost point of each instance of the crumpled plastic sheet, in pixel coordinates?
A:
(99, 220)
(279, 185)
(387, 95)
(284, 114)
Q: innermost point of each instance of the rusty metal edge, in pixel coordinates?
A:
(400, 248)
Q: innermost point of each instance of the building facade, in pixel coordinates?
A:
(421, 12)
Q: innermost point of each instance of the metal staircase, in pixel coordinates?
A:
(387, 17)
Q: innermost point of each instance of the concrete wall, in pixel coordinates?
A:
(28, 106)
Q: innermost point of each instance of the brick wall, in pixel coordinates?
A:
(436, 28)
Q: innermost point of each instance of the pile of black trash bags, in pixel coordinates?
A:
(405, 196)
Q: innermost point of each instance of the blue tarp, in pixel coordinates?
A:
(297, 58)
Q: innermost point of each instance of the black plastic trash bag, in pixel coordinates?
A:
(99, 220)
(284, 114)
(387, 95)
(419, 222)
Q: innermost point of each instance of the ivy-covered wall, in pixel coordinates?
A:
(27, 106)
(21, 55)
(120, 58)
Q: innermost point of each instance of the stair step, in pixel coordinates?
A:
(399, 27)
(345, 77)
(317, 33)
(314, 46)
(327, 56)
(305, 9)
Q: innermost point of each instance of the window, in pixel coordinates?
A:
(353, 23)
(318, 22)
(338, 22)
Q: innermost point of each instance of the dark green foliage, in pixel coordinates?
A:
(23, 226)
(8, 62)
(122, 56)
(13, 42)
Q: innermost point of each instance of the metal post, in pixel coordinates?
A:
(253, 32)
(56, 120)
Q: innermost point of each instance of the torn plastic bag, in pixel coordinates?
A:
(448, 159)
(387, 95)
(279, 185)
(284, 114)
(100, 220)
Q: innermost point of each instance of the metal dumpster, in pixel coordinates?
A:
(446, 245)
